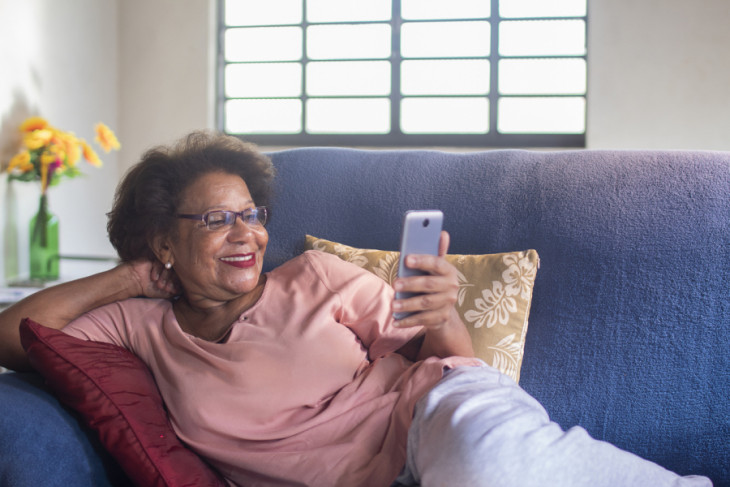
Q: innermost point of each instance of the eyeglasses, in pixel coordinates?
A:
(219, 219)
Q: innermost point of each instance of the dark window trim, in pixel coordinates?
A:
(397, 138)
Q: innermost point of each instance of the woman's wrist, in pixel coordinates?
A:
(449, 339)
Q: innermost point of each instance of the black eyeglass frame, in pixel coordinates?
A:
(261, 213)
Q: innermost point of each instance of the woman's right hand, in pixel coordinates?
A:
(153, 280)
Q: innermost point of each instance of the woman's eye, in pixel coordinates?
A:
(251, 219)
(216, 220)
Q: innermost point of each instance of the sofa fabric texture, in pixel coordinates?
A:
(629, 325)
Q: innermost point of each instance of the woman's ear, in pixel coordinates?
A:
(161, 248)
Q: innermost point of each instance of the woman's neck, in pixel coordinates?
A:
(213, 323)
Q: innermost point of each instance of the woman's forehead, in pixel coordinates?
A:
(216, 188)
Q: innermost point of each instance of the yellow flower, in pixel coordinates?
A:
(71, 147)
(21, 162)
(38, 138)
(49, 154)
(34, 123)
(90, 155)
(106, 138)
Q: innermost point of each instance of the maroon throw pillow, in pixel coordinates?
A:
(116, 395)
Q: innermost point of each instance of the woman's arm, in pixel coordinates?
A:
(444, 333)
(57, 306)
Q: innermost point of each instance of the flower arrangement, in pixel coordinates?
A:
(49, 154)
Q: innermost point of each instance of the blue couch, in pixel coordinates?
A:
(629, 330)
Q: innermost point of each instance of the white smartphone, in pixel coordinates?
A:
(420, 235)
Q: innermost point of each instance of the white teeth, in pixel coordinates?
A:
(243, 258)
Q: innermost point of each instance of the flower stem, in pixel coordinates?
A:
(39, 231)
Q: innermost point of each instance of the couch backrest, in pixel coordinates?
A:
(629, 331)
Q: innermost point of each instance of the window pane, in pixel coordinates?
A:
(447, 77)
(542, 8)
(347, 10)
(542, 38)
(263, 80)
(264, 44)
(348, 41)
(264, 116)
(542, 115)
(445, 39)
(445, 115)
(542, 76)
(439, 9)
(348, 115)
(347, 78)
(256, 12)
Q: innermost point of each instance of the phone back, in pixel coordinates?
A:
(420, 235)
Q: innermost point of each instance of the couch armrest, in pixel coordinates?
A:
(41, 442)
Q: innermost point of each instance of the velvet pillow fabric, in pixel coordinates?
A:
(116, 396)
(495, 292)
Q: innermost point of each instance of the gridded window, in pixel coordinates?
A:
(404, 72)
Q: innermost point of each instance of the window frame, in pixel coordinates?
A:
(396, 138)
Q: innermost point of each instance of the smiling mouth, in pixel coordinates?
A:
(239, 260)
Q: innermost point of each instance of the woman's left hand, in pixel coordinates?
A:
(434, 308)
(437, 290)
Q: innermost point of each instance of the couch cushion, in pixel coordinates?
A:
(495, 291)
(116, 396)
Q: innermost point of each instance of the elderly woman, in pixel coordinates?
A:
(301, 376)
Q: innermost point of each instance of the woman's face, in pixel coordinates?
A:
(217, 265)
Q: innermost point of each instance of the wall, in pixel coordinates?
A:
(166, 71)
(58, 60)
(659, 74)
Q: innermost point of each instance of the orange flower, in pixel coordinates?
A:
(106, 138)
(71, 146)
(49, 154)
(21, 161)
(34, 123)
(37, 138)
(90, 155)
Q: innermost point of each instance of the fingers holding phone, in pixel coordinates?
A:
(427, 286)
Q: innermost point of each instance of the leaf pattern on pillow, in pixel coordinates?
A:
(494, 289)
(507, 355)
(387, 267)
(495, 306)
(464, 283)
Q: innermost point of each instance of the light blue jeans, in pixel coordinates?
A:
(477, 427)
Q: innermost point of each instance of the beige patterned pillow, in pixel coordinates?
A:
(495, 292)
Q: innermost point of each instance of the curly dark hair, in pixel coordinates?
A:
(146, 201)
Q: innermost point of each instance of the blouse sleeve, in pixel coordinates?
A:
(365, 304)
(124, 323)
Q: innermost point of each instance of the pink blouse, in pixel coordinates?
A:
(307, 389)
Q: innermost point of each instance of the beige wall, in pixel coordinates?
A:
(658, 78)
(659, 74)
(166, 70)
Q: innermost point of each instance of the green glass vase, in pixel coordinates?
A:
(44, 257)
